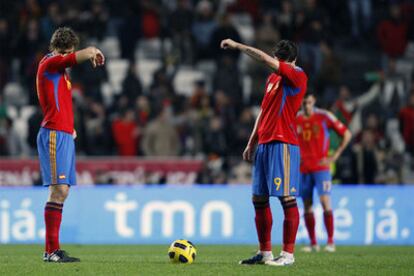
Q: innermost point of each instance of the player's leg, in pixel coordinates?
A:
(56, 154)
(263, 213)
(328, 219)
(323, 180)
(53, 215)
(284, 161)
(307, 187)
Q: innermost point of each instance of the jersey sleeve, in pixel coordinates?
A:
(294, 74)
(335, 124)
(60, 62)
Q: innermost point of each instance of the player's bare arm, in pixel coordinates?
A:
(344, 143)
(254, 53)
(91, 53)
(248, 151)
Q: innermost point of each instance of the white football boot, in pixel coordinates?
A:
(259, 258)
(331, 248)
(284, 259)
(310, 248)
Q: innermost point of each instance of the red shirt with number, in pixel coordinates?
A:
(314, 140)
(283, 96)
(54, 91)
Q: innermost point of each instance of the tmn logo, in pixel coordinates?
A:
(168, 210)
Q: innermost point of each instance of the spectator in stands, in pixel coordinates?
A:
(266, 34)
(360, 13)
(203, 28)
(242, 131)
(371, 122)
(286, 20)
(224, 30)
(52, 20)
(129, 30)
(180, 22)
(11, 143)
(365, 159)
(348, 109)
(392, 35)
(160, 138)
(151, 25)
(97, 130)
(227, 79)
(96, 20)
(91, 81)
(142, 110)
(5, 52)
(330, 74)
(406, 117)
(34, 123)
(393, 92)
(313, 31)
(215, 141)
(161, 89)
(29, 48)
(224, 108)
(126, 134)
(131, 85)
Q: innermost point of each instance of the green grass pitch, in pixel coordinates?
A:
(211, 260)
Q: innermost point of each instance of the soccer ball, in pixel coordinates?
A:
(182, 251)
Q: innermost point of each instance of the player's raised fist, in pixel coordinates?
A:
(228, 44)
(99, 57)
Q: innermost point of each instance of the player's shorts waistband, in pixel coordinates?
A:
(275, 142)
(47, 130)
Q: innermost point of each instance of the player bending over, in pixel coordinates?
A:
(276, 164)
(313, 126)
(55, 138)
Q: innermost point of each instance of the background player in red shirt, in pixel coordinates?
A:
(276, 165)
(55, 138)
(313, 126)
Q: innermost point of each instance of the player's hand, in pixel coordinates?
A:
(228, 44)
(248, 153)
(98, 59)
(74, 134)
(327, 161)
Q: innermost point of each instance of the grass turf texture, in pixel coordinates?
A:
(211, 260)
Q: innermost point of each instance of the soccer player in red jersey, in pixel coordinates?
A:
(276, 166)
(55, 143)
(313, 126)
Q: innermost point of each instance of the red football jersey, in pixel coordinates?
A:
(54, 92)
(283, 96)
(314, 140)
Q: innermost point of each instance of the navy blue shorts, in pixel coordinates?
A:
(57, 157)
(276, 170)
(322, 180)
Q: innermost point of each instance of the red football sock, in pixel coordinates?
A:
(264, 223)
(310, 226)
(329, 225)
(290, 225)
(53, 218)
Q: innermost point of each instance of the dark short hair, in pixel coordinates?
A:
(286, 50)
(309, 94)
(63, 38)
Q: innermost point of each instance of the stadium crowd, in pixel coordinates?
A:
(359, 56)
